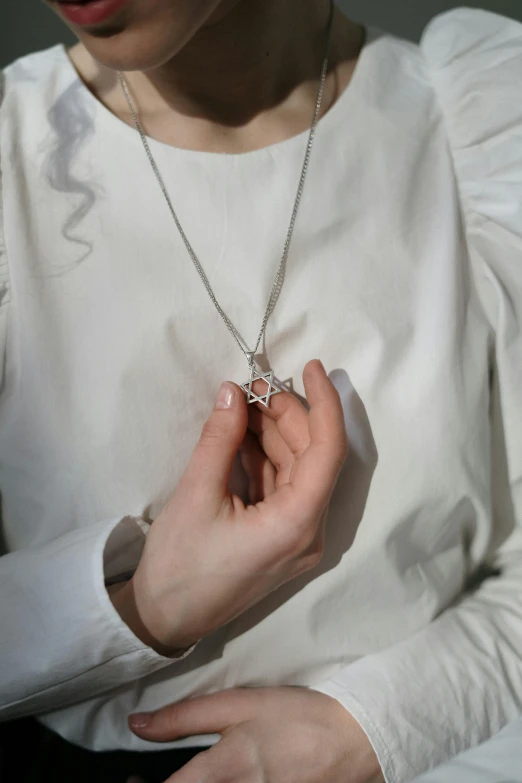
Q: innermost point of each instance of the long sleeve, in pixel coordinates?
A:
(61, 640)
(459, 681)
(497, 761)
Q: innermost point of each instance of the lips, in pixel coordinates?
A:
(86, 13)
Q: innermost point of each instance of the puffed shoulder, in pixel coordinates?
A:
(474, 58)
(5, 282)
(4, 271)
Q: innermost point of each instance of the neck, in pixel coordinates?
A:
(247, 79)
(245, 61)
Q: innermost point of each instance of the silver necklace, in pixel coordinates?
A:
(255, 375)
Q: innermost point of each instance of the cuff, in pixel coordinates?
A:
(123, 549)
(121, 553)
(338, 691)
(55, 601)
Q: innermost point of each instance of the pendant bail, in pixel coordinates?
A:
(250, 357)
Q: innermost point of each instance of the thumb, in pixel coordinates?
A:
(209, 468)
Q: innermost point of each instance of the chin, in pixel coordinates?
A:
(131, 50)
(145, 34)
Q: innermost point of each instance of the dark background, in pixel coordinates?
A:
(27, 25)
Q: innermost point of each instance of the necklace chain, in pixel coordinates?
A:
(278, 280)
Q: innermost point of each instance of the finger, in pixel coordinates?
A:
(211, 462)
(272, 443)
(316, 472)
(282, 431)
(290, 418)
(260, 472)
(212, 714)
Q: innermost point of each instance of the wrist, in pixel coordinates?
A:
(123, 598)
(368, 763)
(364, 764)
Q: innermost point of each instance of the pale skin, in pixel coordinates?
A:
(234, 76)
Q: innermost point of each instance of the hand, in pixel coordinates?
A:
(275, 735)
(208, 556)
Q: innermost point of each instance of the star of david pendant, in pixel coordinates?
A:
(271, 389)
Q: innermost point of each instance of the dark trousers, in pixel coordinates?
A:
(29, 753)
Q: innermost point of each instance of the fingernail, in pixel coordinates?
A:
(139, 720)
(321, 364)
(225, 398)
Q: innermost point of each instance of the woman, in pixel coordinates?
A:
(403, 274)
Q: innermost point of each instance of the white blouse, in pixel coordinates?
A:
(404, 277)
(497, 761)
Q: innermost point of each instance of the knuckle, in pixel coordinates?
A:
(314, 554)
(340, 454)
(301, 539)
(290, 547)
(284, 466)
(310, 561)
